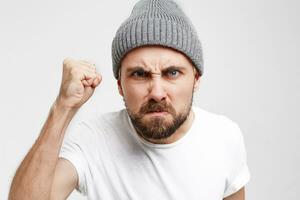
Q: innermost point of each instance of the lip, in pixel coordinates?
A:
(157, 113)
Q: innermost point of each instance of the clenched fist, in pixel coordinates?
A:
(79, 80)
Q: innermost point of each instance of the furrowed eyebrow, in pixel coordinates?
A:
(136, 69)
(133, 69)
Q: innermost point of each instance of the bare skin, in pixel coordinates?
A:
(42, 175)
(239, 195)
(147, 73)
(159, 74)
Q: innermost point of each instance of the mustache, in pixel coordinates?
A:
(154, 106)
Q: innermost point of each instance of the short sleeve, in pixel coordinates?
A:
(238, 172)
(72, 151)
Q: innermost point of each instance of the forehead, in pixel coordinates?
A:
(154, 57)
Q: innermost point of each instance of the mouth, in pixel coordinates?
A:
(157, 113)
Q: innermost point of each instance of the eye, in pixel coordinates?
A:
(140, 74)
(172, 73)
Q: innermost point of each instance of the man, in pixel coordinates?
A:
(160, 146)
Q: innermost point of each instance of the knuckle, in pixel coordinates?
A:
(92, 75)
(91, 70)
(66, 61)
(91, 66)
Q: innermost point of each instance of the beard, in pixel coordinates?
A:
(158, 127)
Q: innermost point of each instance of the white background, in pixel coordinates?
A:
(251, 74)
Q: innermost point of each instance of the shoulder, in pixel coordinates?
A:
(108, 120)
(219, 125)
(210, 117)
(227, 141)
(95, 124)
(96, 120)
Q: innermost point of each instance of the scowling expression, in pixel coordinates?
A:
(157, 84)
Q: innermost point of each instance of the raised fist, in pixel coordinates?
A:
(79, 80)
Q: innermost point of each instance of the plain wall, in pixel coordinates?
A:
(251, 74)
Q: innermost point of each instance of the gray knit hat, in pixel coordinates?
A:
(157, 22)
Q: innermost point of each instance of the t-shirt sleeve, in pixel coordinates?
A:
(72, 150)
(238, 172)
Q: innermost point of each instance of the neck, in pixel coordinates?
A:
(179, 133)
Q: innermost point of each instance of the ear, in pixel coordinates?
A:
(120, 88)
(197, 81)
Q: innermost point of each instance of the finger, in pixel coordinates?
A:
(85, 75)
(94, 81)
(99, 77)
(97, 81)
(90, 81)
(85, 83)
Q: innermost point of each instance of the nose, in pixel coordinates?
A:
(157, 90)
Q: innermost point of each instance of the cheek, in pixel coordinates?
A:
(181, 94)
(134, 96)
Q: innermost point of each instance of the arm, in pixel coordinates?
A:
(34, 177)
(239, 195)
(65, 180)
(42, 174)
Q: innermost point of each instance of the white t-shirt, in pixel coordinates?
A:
(114, 163)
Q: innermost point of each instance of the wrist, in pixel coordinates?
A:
(59, 106)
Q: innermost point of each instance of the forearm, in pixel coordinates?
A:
(35, 175)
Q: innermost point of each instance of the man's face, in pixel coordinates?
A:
(157, 86)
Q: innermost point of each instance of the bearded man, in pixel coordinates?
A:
(160, 146)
